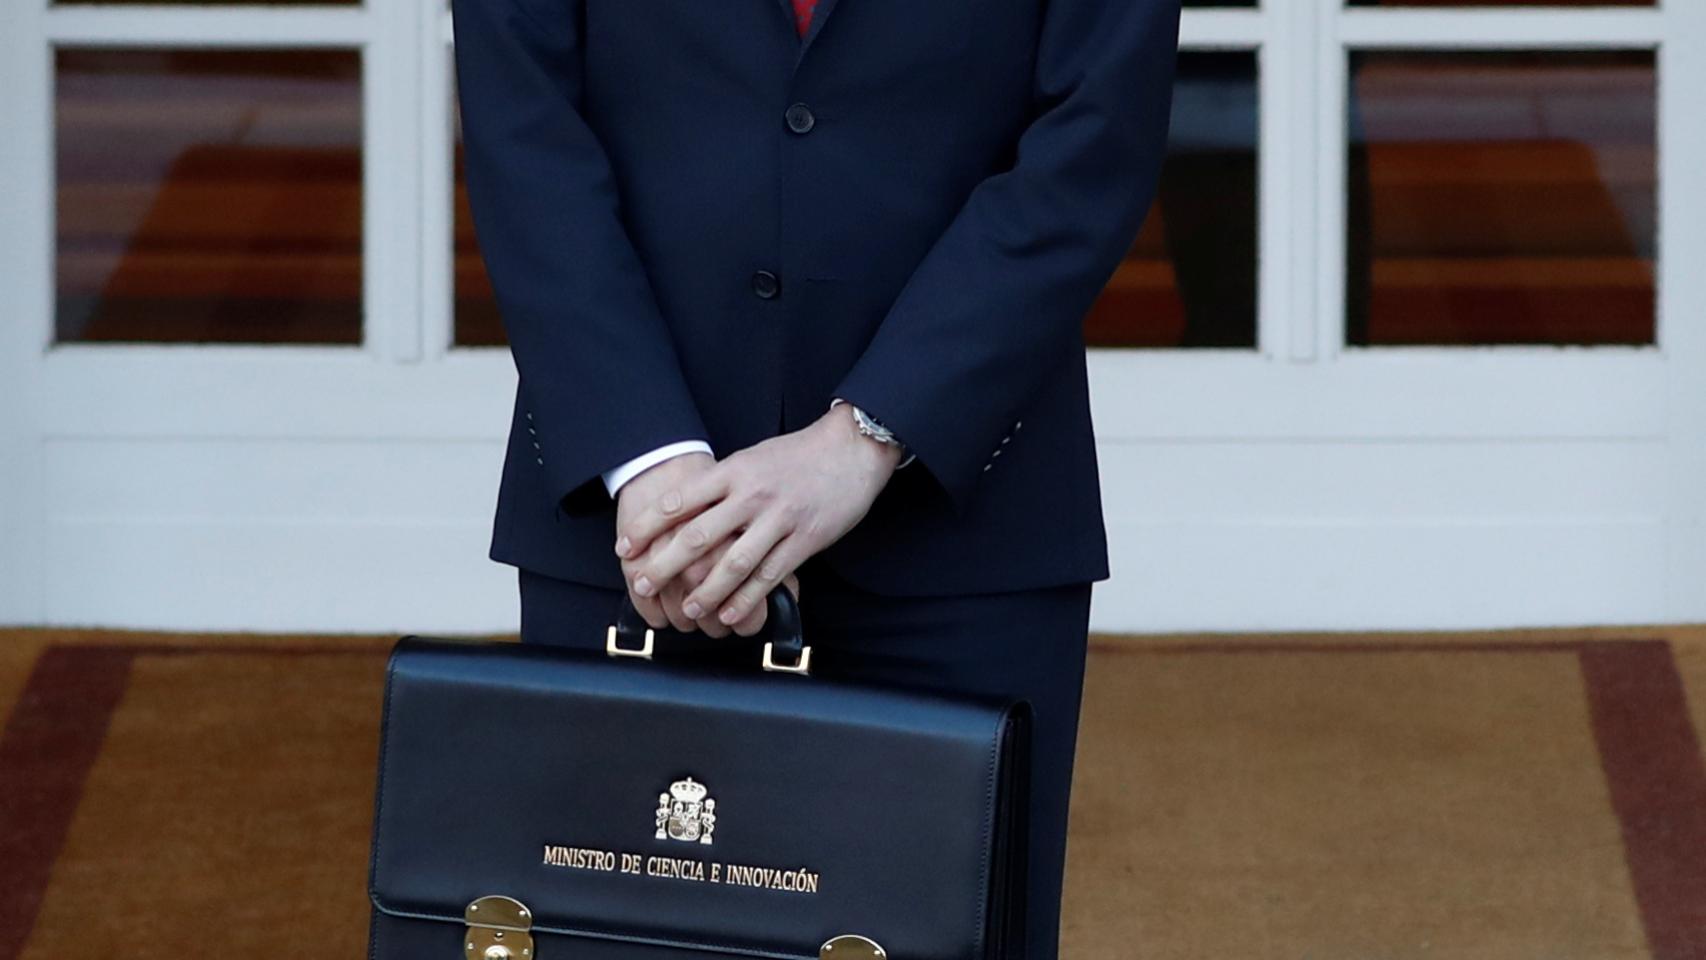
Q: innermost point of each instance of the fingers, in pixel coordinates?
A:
(743, 558)
(694, 575)
(649, 607)
(670, 599)
(687, 543)
(756, 600)
(663, 608)
(751, 594)
(671, 507)
(650, 610)
(699, 569)
(666, 608)
(753, 622)
(760, 614)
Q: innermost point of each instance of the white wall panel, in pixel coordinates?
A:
(274, 535)
(1245, 574)
(398, 576)
(1519, 480)
(1382, 535)
(158, 479)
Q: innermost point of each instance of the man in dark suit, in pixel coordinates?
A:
(795, 296)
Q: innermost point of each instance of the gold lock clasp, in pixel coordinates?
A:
(851, 946)
(499, 928)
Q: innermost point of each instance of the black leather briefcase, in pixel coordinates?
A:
(543, 803)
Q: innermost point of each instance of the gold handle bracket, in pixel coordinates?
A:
(802, 666)
(611, 647)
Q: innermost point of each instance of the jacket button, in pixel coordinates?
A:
(766, 285)
(800, 119)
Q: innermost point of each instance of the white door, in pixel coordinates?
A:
(1413, 339)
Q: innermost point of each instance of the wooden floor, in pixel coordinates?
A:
(1522, 794)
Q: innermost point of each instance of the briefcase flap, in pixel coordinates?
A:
(750, 813)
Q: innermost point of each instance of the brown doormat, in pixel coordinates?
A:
(170, 797)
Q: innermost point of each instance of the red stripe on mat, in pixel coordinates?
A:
(50, 742)
(1653, 765)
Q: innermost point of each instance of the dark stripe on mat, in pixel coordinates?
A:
(50, 742)
(1653, 765)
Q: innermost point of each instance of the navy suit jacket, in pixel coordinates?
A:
(699, 225)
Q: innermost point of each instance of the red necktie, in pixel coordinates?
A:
(803, 14)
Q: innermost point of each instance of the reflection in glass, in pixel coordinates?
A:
(208, 195)
(1501, 197)
(1190, 279)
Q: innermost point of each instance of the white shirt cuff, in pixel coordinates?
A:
(616, 476)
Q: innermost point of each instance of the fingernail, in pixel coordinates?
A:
(692, 609)
(622, 547)
(729, 615)
(643, 587)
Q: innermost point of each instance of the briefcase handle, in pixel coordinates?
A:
(782, 621)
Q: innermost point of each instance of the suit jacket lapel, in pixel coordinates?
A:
(821, 14)
(819, 17)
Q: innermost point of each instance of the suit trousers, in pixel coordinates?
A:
(1028, 643)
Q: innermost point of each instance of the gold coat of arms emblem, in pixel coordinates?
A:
(686, 812)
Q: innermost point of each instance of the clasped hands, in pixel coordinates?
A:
(704, 541)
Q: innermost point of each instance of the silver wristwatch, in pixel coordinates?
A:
(873, 428)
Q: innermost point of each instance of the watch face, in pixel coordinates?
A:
(871, 427)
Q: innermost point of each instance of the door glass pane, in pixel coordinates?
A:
(208, 195)
(1190, 279)
(1501, 197)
